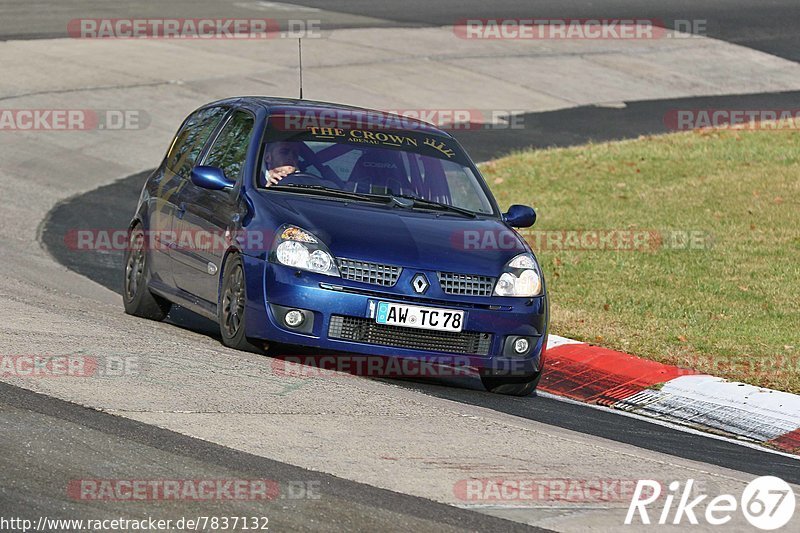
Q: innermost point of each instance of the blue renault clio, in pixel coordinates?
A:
(338, 229)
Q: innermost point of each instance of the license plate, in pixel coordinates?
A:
(412, 316)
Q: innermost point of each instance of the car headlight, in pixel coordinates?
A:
(298, 248)
(520, 277)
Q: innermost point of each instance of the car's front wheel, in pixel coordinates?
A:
(232, 307)
(138, 299)
(511, 386)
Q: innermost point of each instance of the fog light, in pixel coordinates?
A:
(521, 345)
(294, 318)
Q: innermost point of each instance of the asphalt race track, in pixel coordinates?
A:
(741, 22)
(770, 28)
(383, 454)
(53, 423)
(102, 206)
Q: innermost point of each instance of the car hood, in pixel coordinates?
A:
(396, 235)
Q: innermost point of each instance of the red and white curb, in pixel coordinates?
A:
(592, 374)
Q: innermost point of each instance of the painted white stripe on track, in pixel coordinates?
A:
(671, 425)
(754, 412)
(555, 340)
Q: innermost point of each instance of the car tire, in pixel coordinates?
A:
(231, 311)
(512, 386)
(136, 297)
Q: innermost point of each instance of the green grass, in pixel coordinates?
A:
(730, 308)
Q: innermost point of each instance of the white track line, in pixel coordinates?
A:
(685, 429)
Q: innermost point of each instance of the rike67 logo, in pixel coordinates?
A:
(767, 503)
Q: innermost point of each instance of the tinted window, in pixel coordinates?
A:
(229, 151)
(417, 163)
(191, 139)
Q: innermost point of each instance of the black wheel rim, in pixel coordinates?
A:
(134, 268)
(233, 303)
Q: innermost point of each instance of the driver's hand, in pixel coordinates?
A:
(274, 175)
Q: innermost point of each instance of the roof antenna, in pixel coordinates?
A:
(300, 53)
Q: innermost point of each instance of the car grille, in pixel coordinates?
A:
(374, 273)
(465, 284)
(370, 332)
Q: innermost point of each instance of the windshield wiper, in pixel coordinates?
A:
(380, 198)
(330, 191)
(422, 202)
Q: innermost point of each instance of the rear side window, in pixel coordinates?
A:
(190, 140)
(229, 151)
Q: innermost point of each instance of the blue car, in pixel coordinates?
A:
(340, 230)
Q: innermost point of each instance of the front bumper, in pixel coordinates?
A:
(342, 319)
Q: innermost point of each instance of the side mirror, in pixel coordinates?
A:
(212, 178)
(520, 216)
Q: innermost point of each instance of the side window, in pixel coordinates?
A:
(229, 151)
(190, 140)
(464, 189)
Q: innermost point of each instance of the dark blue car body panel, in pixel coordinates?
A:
(419, 241)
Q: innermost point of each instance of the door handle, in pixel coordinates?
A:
(181, 211)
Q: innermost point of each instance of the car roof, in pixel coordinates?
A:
(357, 114)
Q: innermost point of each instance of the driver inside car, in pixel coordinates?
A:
(281, 159)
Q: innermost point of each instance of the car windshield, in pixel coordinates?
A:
(417, 164)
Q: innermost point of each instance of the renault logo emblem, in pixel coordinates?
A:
(420, 283)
